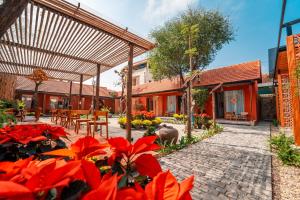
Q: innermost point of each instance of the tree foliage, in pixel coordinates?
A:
(171, 57)
(200, 97)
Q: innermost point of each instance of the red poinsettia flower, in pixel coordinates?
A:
(83, 148)
(8, 170)
(106, 190)
(136, 193)
(138, 155)
(30, 133)
(22, 134)
(55, 131)
(11, 190)
(165, 186)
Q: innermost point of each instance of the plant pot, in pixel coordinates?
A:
(168, 135)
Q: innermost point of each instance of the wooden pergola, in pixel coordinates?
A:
(66, 41)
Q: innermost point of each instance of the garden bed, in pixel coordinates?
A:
(285, 178)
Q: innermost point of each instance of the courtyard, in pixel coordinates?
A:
(186, 109)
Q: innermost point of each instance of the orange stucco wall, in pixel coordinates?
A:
(161, 100)
(87, 101)
(247, 88)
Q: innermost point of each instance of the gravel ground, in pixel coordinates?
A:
(286, 179)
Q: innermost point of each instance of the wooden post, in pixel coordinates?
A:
(129, 92)
(293, 63)
(80, 92)
(251, 101)
(214, 106)
(44, 103)
(97, 87)
(70, 94)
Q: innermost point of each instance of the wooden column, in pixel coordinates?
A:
(214, 106)
(70, 94)
(129, 93)
(293, 63)
(251, 101)
(44, 103)
(97, 87)
(80, 92)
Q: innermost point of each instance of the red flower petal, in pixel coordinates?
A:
(11, 190)
(148, 165)
(107, 190)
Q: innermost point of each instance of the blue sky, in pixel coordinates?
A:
(255, 22)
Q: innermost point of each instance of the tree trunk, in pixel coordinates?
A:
(35, 97)
(8, 86)
(189, 96)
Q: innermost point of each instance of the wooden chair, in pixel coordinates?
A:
(53, 114)
(69, 118)
(243, 116)
(79, 121)
(98, 122)
(61, 116)
(229, 115)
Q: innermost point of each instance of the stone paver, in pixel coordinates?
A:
(235, 164)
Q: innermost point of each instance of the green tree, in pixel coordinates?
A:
(200, 97)
(187, 43)
(170, 58)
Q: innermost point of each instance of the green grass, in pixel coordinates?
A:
(285, 150)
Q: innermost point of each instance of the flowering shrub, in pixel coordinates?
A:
(156, 121)
(137, 123)
(179, 117)
(23, 141)
(122, 121)
(202, 120)
(115, 169)
(147, 123)
(144, 115)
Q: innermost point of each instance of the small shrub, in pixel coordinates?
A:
(106, 109)
(122, 121)
(137, 123)
(147, 123)
(157, 121)
(285, 151)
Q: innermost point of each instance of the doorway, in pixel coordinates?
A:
(220, 104)
(150, 104)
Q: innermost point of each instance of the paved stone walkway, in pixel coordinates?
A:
(235, 164)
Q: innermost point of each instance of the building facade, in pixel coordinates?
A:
(56, 94)
(288, 85)
(235, 90)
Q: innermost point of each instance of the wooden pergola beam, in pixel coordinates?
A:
(9, 12)
(94, 21)
(13, 44)
(37, 67)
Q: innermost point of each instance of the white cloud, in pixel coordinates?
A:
(160, 10)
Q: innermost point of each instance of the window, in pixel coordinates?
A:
(171, 104)
(135, 80)
(234, 101)
(53, 102)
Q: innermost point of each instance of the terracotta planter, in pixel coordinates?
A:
(168, 135)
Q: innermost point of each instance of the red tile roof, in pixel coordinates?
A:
(230, 74)
(59, 87)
